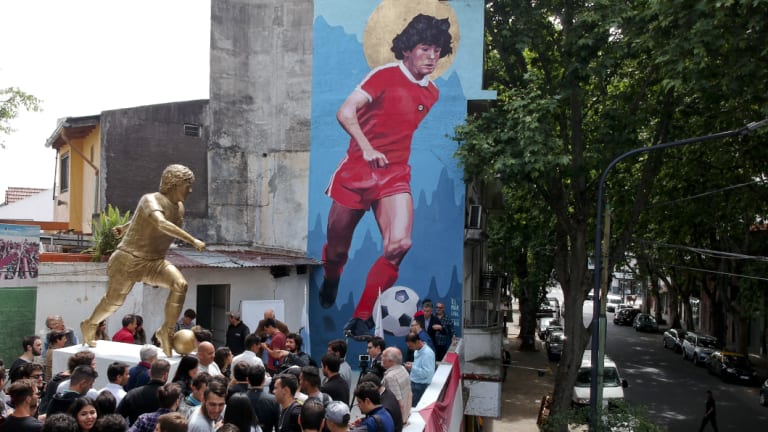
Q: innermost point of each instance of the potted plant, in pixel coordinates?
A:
(104, 239)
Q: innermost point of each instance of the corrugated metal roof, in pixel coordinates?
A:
(190, 258)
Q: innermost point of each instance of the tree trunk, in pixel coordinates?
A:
(674, 307)
(529, 297)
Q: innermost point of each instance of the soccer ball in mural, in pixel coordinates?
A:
(398, 304)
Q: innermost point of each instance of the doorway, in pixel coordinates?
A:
(212, 306)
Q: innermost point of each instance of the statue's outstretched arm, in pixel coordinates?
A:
(172, 230)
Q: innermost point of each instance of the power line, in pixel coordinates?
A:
(704, 194)
(708, 252)
(712, 271)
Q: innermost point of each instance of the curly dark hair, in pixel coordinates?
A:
(424, 29)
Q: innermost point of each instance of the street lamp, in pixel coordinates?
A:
(598, 316)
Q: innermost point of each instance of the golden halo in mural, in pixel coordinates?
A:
(391, 17)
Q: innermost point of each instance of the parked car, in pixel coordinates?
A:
(543, 324)
(546, 311)
(646, 323)
(624, 306)
(625, 316)
(698, 347)
(764, 394)
(613, 384)
(555, 345)
(673, 338)
(731, 366)
(554, 326)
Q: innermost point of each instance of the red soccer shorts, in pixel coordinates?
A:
(356, 185)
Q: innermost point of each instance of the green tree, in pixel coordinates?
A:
(580, 83)
(12, 100)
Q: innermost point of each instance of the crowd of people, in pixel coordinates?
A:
(19, 260)
(260, 381)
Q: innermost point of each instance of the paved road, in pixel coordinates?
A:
(673, 390)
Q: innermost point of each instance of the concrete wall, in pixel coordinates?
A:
(261, 69)
(138, 143)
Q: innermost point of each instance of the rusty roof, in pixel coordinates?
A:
(190, 258)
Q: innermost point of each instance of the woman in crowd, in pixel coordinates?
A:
(185, 373)
(84, 411)
(240, 413)
(223, 359)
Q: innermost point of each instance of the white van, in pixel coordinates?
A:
(613, 385)
(612, 301)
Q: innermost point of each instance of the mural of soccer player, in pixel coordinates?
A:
(380, 116)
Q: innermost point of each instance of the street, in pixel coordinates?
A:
(673, 390)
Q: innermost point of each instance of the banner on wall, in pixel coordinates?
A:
(19, 255)
(391, 79)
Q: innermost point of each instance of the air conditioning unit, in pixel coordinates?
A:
(474, 219)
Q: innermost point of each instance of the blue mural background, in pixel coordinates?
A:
(433, 266)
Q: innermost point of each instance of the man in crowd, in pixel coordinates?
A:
(312, 416)
(423, 367)
(292, 355)
(396, 379)
(195, 399)
(32, 346)
(377, 419)
(24, 395)
(337, 417)
(79, 383)
(187, 321)
(375, 347)
(118, 375)
(237, 331)
(334, 385)
(339, 347)
(61, 380)
(208, 417)
(34, 372)
(443, 332)
(139, 374)
(205, 354)
(290, 410)
(309, 382)
(251, 354)
(125, 334)
(388, 400)
(168, 397)
(144, 399)
(276, 344)
(171, 422)
(427, 320)
(265, 337)
(56, 323)
(263, 402)
(239, 383)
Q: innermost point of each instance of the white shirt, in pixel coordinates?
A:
(117, 391)
(92, 393)
(249, 357)
(212, 369)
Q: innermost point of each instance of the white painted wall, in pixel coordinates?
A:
(73, 290)
(37, 207)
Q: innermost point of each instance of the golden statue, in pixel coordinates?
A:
(140, 256)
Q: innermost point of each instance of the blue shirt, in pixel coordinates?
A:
(147, 422)
(370, 423)
(423, 366)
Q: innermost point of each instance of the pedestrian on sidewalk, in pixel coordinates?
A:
(710, 413)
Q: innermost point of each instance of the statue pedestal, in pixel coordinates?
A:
(107, 352)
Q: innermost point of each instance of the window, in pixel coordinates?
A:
(64, 175)
(191, 129)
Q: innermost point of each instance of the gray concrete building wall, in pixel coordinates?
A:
(260, 107)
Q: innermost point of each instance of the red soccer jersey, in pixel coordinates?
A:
(397, 104)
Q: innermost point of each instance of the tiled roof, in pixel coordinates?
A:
(13, 194)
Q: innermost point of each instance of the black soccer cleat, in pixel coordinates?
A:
(359, 329)
(328, 292)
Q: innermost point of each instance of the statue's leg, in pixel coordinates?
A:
(171, 278)
(117, 289)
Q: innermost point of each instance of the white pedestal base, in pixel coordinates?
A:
(107, 352)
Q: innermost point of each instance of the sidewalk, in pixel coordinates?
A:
(523, 389)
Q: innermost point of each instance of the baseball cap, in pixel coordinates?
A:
(337, 412)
